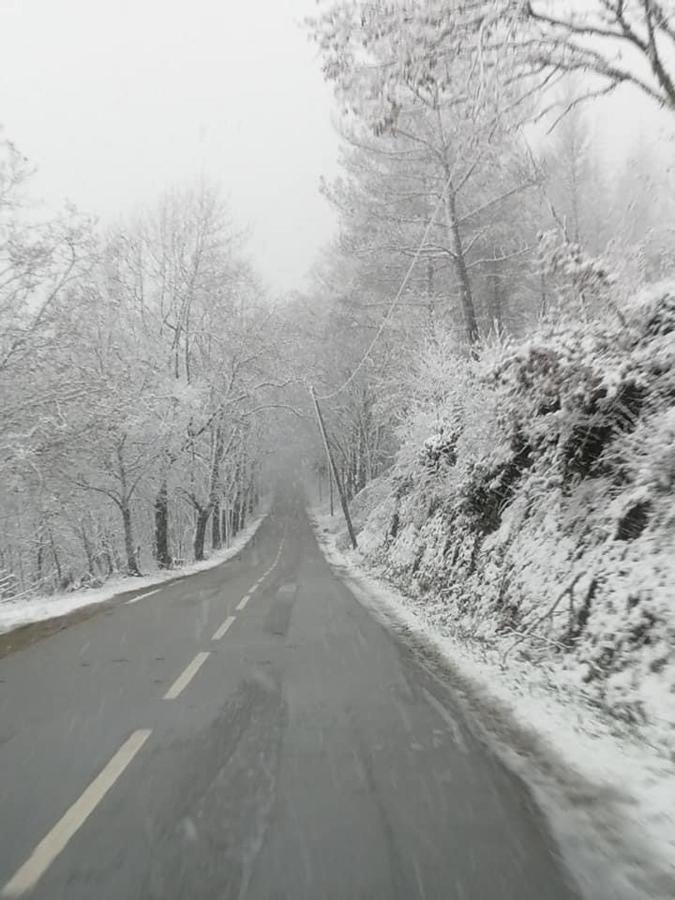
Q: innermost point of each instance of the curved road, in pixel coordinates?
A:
(252, 732)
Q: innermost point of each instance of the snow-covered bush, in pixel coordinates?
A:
(531, 502)
(584, 279)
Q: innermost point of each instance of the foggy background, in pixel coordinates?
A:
(115, 103)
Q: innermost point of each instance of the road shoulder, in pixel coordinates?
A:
(608, 799)
(48, 616)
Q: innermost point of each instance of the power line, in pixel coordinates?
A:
(397, 297)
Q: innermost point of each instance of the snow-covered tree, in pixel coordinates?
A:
(446, 134)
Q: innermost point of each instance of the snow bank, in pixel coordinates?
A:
(13, 614)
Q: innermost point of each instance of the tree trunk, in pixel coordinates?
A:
(200, 532)
(40, 560)
(129, 548)
(91, 567)
(544, 298)
(242, 511)
(111, 554)
(125, 509)
(57, 562)
(496, 296)
(105, 557)
(216, 534)
(162, 554)
(465, 292)
(431, 306)
(213, 503)
(331, 463)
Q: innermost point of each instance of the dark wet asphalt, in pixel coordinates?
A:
(311, 756)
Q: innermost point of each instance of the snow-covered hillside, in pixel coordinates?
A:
(531, 505)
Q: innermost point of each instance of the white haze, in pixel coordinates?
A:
(113, 102)
(116, 102)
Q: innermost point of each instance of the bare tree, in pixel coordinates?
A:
(449, 130)
(616, 41)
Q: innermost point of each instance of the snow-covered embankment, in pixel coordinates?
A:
(529, 527)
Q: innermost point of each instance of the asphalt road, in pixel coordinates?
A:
(252, 732)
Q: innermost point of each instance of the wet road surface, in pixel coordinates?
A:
(252, 732)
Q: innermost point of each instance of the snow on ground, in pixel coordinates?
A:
(37, 609)
(609, 797)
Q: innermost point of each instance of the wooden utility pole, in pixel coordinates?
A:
(333, 469)
(330, 484)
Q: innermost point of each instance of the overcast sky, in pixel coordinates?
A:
(116, 101)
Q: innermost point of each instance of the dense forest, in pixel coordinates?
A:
(136, 362)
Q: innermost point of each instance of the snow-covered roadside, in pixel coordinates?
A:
(610, 798)
(38, 609)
